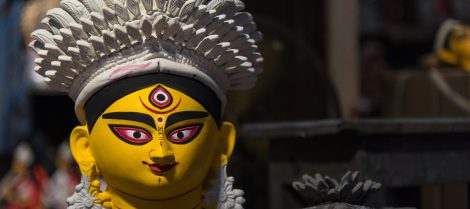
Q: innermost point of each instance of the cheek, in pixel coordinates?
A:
(197, 154)
(114, 157)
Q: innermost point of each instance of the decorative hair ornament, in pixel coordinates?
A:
(86, 44)
(223, 193)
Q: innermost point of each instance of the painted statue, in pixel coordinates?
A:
(149, 80)
(452, 44)
(22, 187)
(62, 183)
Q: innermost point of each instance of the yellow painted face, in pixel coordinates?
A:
(155, 143)
(460, 41)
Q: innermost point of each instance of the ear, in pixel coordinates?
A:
(227, 141)
(80, 147)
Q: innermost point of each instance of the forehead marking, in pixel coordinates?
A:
(160, 112)
(160, 97)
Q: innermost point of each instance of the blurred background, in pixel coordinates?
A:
(347, 85)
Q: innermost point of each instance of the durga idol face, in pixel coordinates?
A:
(156, 143)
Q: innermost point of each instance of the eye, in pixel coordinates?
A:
(160, 97)
(131, 134)
(184, 135)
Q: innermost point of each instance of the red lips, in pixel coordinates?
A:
(159, 169)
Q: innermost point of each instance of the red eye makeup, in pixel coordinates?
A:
(131, 134)
(185, 134)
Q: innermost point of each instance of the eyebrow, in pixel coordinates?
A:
(186, 115)
(133, 116)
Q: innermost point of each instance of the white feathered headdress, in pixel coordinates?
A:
(86, 44)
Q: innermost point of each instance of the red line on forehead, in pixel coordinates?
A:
(129, 67)
(159, 112)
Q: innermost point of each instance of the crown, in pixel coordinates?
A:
(85, 44)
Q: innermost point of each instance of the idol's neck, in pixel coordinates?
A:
(190, 200)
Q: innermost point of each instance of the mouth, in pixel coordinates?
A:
(160, 168)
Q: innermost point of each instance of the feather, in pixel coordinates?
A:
(205, 19)
(235, 61)
(68, 63)
(75, 9)
(110, 16)
(224, 58)
(185, 33)
(240, 5)
(60, 42)
(133, 7)
(121, 11)
(229, 9)
(217, 50)
(240, 40)
(35, 45)
(173, 7)
(98, 21)
(257, 36)
(148, 5)
(242, 18)
(54, 85)
(233, 33)
(196, 38)
(121, 34)
(74, 52)
(88, 26)
(194, 16)
(109, 3)
(63, 70)
(78, 32)
(62, 17)
(42, 36)
(255, 57)
(53, 25)
(67, 36)
(187, 7)
(53, 49)
(249, 27)
(199, 2)
(172, 29)
(93, 5)
(146, 27)
(161, 5)
(86, 50)
(207, 44)
(133, 31)
(216, 4)
(40, 70)
(41, 62)
(249, 49)
(98, 44)
(110, 40)
(243, 84)
(216, 23)
(224, 28)
(160, 24)
(44, 24)
(242, 72)
(52, 74)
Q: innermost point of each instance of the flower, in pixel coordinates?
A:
(82, 199)
(230, 198)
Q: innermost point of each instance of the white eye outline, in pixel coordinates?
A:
(125, 133)
(190, 132)
(161, 92)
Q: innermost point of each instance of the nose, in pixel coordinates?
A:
(163, 154)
